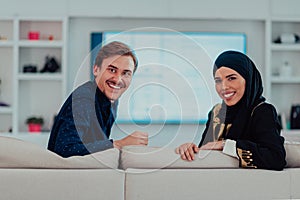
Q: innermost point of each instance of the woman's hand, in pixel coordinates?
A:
(187, 151)
(218, 145)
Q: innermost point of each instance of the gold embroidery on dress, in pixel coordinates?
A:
(221, 130)
(218, 133)
(216, 121)
(246, 158)
(228, 128)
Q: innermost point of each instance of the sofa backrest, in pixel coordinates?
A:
(15, 153)
(158, 158)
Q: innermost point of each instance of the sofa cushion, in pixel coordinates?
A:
(157, 158)
(62, 184)
(292, 153)
(15, 153)
(232, 184)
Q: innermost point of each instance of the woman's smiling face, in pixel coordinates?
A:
(230, 85)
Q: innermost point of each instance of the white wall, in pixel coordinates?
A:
(81, 28)
(240, 9)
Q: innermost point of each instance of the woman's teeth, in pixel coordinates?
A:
(229, 95)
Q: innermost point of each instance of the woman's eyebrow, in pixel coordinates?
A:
(230, 75)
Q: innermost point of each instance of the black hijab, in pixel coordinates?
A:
(239, 114)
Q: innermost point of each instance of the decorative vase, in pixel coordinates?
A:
(34, 128)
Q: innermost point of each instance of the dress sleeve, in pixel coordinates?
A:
(263, 147)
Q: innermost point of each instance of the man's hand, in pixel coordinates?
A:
(135, 138)
(187, 151)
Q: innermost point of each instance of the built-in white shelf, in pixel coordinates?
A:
(286, 47)
(5, 110)
(285, 80)
(41, 134)
(6, 43)
(40, 76)
(41, 43)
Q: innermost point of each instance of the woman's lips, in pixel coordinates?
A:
(228, 95)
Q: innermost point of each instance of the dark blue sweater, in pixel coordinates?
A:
(83, 123)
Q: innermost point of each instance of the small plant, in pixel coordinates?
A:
(34, 124)
(35, 120)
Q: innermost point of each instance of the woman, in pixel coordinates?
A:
(243, 125)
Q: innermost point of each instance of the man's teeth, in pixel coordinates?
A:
(228, 95)
(114, 86)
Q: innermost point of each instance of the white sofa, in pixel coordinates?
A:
(30, 172)
(212, 175)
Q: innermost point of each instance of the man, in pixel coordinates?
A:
(83, 124)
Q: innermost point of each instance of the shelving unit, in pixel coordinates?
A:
(283, 91)
(43, 92)
(28, 94)
(6, 73)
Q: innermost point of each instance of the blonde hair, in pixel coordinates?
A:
(115, 48)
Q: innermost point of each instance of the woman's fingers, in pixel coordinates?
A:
(187, 151)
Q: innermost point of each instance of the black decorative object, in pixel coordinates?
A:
(30, 69)
(51, 65)
(295, 117)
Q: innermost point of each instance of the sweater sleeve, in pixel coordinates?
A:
(78, 131)
(264, 147)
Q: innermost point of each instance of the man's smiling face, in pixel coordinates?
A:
(113, 77)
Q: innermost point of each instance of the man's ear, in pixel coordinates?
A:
(95, 69)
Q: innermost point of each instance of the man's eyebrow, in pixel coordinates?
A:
(127, 70)
(112, 66)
